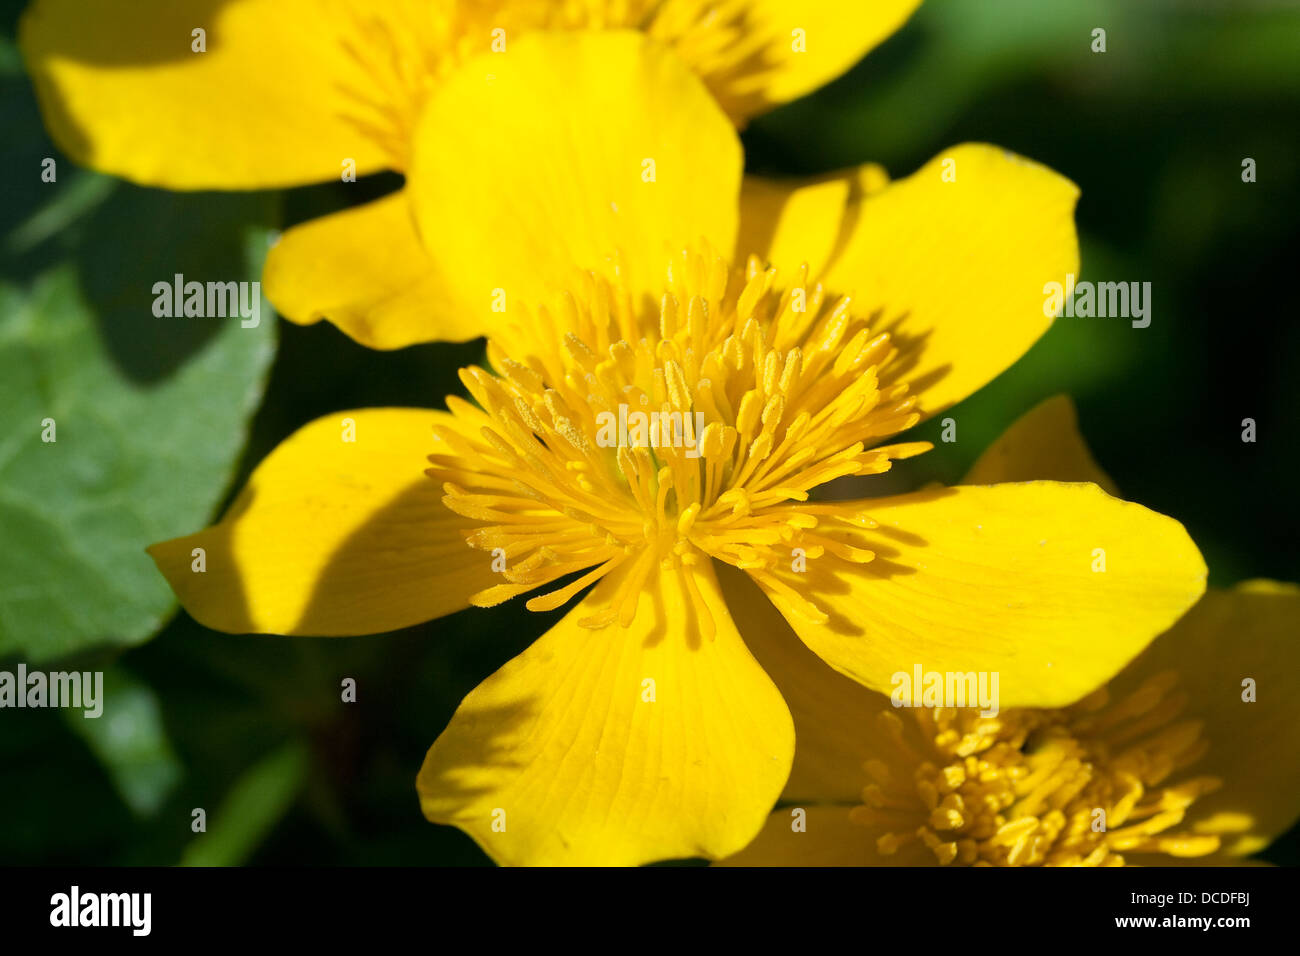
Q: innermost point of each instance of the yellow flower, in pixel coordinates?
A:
(290, 92)
(1187, 756)
(640, 727)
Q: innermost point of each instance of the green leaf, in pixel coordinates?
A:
(149, 414)
(130, 742)
(254, 805)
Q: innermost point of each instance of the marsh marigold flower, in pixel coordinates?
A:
(291, 92)
(640, 727)
(1186, 756)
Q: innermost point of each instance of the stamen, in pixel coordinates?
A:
(614, 434)
(1080, 786)
(403, 53)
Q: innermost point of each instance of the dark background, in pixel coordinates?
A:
(1154, 132)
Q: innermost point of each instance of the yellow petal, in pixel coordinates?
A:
(1045, 444)
(830, 838)
(563, 751)
(365, 270)
(268, 104)
(957, 269)
(794, 222)
(1000, 579)
(535, 163)
(807, 44)
(835, 719)
(1248, 632)
(333, 537)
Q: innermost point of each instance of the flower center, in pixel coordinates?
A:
(1077, 786)
(725, 43)
(405, 50)
(761, 395)
(402, 51)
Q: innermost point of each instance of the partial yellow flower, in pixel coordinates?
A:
(1186, 756)
(640, 727)
(290, 92)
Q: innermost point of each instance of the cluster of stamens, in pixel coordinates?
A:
(1079, 786)
(403, 50)
(792, 393)
(406, 49)
(724, 43)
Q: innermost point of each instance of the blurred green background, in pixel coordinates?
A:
(163, 429)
